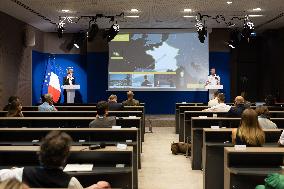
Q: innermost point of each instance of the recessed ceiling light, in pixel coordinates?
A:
(189, 16)
(187, 10)
(134, 10)
(257, 9)
(65, 10)
(132, 16)
(229, 2)
(255, 15)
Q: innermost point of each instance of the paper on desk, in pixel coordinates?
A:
(78, 167)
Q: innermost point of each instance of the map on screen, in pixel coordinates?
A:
(158, 61)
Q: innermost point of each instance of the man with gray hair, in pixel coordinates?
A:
(47, 105)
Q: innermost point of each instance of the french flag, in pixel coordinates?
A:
(51, 82)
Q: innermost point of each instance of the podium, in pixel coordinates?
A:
(70, 91)
(212, 89)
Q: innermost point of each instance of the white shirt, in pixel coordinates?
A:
(265, 123)
(213, 80)
(222, 107)
(213, 102)
(281, 140)
(17, 173)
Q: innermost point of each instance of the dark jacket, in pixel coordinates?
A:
(103, 122)
(114, 106)
(236, 111)
(132, 102)
(39, 177)
(66, 81)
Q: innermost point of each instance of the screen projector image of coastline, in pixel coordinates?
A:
(172, 61)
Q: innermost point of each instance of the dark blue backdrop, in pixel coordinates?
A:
(78, 62)
(92, 71)
(162, 102)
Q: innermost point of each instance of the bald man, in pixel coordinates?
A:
(239, 107)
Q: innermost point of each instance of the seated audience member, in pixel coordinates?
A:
(247, 103)
(264, 118)
(238, 109)
(113, 105)
(249, 132)
(130, 100)
(15, 109)
(273, 181)
(102, 120)
(281, 139)
(12, 184)
(214, 101)
(221, 106)
(47, 105)
(54, 151)
(10, 100)
(269, 100)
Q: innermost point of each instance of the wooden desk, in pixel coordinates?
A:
(80, 136)
(248, 168)
(104, 161)
(198, 124)
(214, 141)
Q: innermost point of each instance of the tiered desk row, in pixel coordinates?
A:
(213, 152)
(20, 139)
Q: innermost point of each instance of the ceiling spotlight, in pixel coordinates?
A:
(112, 32)
(76, 45)
(60, 31)
(77, 41)
(257, 9)
(235, 39)
(134, 10)
(93, 30)
(187, 10)
(229, 2)
(248, 28)
(201, 30)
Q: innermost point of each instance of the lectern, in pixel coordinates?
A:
(70, 91)
(212, 89)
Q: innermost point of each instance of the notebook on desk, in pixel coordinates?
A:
(78, 167)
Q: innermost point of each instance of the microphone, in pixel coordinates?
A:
(97, 146)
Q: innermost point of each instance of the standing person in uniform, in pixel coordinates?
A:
(213, 78)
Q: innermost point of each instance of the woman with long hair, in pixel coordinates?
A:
(15, 109)
(249, 132)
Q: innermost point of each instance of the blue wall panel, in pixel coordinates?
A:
(78, 62)
(91, 72)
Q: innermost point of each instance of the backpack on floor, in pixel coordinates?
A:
(180, 148)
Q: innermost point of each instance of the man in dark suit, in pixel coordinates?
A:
(113, 105)
(68, 80)
(102, 120)
(239, 107)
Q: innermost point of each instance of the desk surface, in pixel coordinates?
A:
(73, 149)
(68, 129)
(230, 130)
(255, 171)
(255, 150)
(61, 118)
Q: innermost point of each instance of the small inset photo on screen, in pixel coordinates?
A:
(120, 80)
(165, 80)
(142, 80)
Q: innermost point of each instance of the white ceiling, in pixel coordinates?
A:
(153, 13)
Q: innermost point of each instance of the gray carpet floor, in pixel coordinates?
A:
(161, 169)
